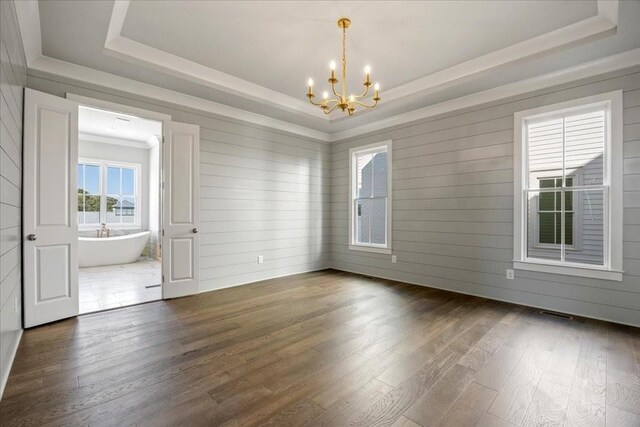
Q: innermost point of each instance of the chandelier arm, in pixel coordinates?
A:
(314, 103)
(333, 89)
(366, 91)
(346, 103)
(330, 110)
(365, 105)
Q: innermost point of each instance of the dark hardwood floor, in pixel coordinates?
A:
(326, 348)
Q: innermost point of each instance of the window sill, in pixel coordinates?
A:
(567, 270)
(373, 249)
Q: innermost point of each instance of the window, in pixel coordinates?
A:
(107, 192)
(568, 183)
(547, 228)
(370, 200)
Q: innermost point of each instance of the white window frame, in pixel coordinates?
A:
(612, 183)
(353, 170)
(104, 165)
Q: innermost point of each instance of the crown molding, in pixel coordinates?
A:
(619, 61)
(608, 64)
(29, 25)
(100, 78)
(129, 50)
(605, 21)
(132, 51)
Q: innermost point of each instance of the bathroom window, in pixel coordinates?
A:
(89, 193)
(108, 193)
(121, 195)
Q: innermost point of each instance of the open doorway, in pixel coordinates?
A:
(119, 209)
(51, 221)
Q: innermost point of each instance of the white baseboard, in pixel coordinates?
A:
(510, 301)
(267, 278)
(5, 375)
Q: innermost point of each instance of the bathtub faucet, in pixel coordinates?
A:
(103, 231)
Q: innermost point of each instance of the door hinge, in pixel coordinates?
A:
(163, 232)
(163, 278)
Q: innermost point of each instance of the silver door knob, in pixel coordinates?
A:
(31, 237)
(195, 230)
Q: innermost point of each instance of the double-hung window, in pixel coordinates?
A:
(108, 193)
(568, 188)
(370, 198)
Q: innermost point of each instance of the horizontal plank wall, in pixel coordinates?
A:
(453, 207)
(12, 82)
(262, 192)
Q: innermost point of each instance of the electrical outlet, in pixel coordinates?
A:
(260, 259)
(510, 274)
(394, 259)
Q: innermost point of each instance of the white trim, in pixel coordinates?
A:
(11, 359)
(29, 23)
(459, 73)
(370, 248)
(608, 64)
(605, 65)
(608, 9)
(613, 181)
(85, 101)
(28, 14)
(484, 295)
(138, 53)
(111, 81)
(372, 148)
(583, 270)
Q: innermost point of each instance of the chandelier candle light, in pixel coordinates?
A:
(346, 103)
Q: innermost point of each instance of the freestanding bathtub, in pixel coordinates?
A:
(125, 249)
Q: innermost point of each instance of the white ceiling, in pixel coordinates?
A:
(279, 45)
(117, 127)
(257, 55)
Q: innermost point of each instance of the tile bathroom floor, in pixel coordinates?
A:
(115, 286)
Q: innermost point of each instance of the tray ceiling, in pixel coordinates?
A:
(256, 56)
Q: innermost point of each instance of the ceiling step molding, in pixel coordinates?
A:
(619, 61)
(606, 20)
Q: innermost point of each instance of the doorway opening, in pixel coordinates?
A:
(119, 209)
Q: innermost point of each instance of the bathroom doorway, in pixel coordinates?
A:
(119, 209)
(150, 208)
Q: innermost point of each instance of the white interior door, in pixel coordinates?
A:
(180, 241)
(50, 224)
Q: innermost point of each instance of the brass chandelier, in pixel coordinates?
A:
(346, 103)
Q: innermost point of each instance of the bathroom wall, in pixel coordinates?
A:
(12, 81)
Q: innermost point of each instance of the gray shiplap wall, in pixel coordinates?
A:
(453, 206)
(262, 192)
(12, 82)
